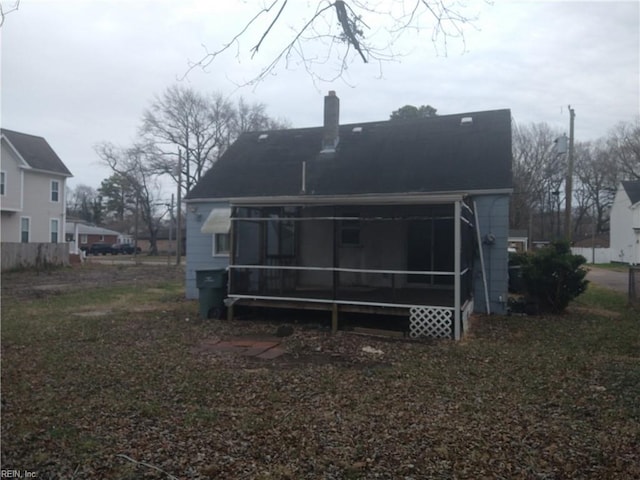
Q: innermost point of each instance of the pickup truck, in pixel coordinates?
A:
(100, 249)
(124, 248)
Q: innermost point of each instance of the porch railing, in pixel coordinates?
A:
(386, 288)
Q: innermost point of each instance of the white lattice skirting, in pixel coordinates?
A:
(432, 322)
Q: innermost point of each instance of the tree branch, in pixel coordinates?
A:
(348, 17)
(148, 465)
(4, 13)
(266, 32)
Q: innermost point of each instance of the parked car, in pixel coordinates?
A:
(125, 248)
(100, 249)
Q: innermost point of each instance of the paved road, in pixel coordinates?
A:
(602, 277)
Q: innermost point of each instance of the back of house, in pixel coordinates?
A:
(408, 218)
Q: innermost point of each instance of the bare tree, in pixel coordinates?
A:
(538, 173)
(624, 143)
(83, 202)
(197, 127)
(131, 165)
(345, 30)
(253, 117)
(597, 179)
(184, 122)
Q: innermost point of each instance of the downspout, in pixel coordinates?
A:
(457, 263)
(482, 266)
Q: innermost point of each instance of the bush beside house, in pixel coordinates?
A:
(551, 277)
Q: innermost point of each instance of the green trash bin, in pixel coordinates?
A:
(212, 286)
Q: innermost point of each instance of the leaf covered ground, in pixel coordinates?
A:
(112, 383)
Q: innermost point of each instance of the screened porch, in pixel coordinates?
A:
(403, 259)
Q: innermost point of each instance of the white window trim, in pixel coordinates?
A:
(3, 182)
(215, 252)
(57, 231)
(28, 230)
(51, 191)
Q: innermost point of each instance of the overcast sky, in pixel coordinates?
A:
(82, 72)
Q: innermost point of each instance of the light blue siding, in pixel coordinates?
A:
(200, 245)
(493, 219)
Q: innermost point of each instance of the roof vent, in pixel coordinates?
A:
(357, 130)
(263, 137)
(466, 121)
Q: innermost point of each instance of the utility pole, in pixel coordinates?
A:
(170, 228)
(569, 182)
(179, 213)
(135, 242)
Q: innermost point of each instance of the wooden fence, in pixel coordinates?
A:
(34, 255)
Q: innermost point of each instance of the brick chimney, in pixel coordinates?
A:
(331, 122)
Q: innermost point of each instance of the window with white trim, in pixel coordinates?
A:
(24, 229)
(55, 191)
(54, 230)
(3, 176)
(221, 244)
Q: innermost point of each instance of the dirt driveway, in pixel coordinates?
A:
(603, 277)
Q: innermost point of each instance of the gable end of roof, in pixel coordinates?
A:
(632, 189)
(36, 152)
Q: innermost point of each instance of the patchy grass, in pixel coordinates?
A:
(89, 395)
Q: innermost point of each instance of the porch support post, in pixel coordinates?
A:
(232, 260)
(457, 265)
(336, 274)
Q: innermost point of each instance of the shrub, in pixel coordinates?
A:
(553, 276)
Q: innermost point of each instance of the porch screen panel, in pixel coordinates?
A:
(420, 250)
(443, 249)
(247, 251)
(280, 252)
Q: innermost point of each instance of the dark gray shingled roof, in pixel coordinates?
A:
(36, 152)
(632, 187)
(436, 154)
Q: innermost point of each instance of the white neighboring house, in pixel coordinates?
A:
(625, 224)
(32, 190)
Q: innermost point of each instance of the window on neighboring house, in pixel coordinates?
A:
(2, 182)
(24, 229)
(221, 244)
(350, 231)
(55, 191)
(54, 230)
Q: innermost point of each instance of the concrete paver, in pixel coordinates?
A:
(265, 349)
